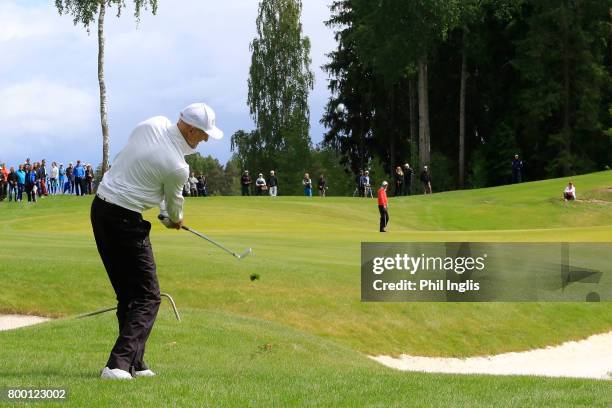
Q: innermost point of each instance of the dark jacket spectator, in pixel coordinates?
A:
(322, 185)
(426, 180)
(272, 184)
(399, 181)
(30, 183)
(12, 184)
(202, 186)
(408, 172)
(517, 169)
(245, 182)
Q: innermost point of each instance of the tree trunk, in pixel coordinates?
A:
(464, 76)
(361, 143)
(391, 111)
(103, 110)
(424, 137)
(566, 93)
(414, 144)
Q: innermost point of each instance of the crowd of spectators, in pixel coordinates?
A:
(36, 180)
(262, 185)
(196, 186)
(269, 185)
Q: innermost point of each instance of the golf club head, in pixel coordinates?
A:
(247, 252)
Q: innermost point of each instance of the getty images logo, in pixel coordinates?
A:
(414, 264)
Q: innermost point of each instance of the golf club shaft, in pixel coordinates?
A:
(212, 241)
(199, 234)
(108, 309)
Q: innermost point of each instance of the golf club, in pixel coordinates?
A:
(245, 253)
(108, 309)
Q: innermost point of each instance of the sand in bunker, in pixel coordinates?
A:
(8, 322)
(588, 358)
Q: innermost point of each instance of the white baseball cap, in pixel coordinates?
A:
(201, 116)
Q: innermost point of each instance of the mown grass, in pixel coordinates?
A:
(307, 303)
(218, 359)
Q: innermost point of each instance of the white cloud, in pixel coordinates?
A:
(21, 23)
(44, 107)
(185, 53)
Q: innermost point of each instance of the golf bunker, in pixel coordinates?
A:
(588, 358)
(9, 322)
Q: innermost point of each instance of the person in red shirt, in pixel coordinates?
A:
(382, 206)
(3, 181)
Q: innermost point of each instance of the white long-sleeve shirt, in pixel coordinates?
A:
(150, 171)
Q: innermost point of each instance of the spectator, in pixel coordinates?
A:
(426, 180)
(365, 182)
(382, 206)
(30, 183)
(70, 177)
(53, 178)
(260, 184)
(3, 182)
(186, 188)
(193, 185)
(62, 178)
(42, 177)
(307, 183)
(517, 170)
(273, 184)
(35, 170)
(21, 179)
(408, 172)
(79, 179)
(569, 194)
(245, 182)
(321, 186)
(360, 189)
(89, 176)
(12, 184)
(202, 186)
(399, 181)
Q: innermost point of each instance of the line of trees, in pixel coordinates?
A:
(459, 85)
(464, 85)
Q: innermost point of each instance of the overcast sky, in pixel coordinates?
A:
(191, 51)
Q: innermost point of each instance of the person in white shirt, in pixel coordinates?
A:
(150, 171)
(570, 192)
(53, 178)
(260, 184)
(193, 185)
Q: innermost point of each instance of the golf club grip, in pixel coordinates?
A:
(162, 217)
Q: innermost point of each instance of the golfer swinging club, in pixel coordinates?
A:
(150, 171)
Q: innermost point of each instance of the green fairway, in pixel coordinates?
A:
(306, 305)
(218, 359)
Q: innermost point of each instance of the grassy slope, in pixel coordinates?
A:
(217, 359)
(306, 304)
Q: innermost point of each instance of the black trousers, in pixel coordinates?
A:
(78, 186)
(384, 217)
(29, 189)
(122, 237)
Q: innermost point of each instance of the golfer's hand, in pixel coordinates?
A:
(168, 223)
(174, 225)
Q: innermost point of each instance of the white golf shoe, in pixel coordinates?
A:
(144, 373)
(115, 374)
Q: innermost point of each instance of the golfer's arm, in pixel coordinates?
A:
(173, 194)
